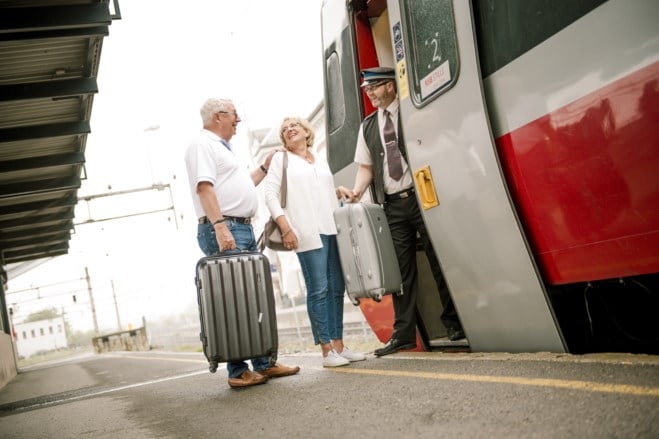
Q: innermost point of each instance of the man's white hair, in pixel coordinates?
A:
(212, 106)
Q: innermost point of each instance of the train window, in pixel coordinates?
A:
(336, 109)
(342, 107)
(432, 48)
(506, 29)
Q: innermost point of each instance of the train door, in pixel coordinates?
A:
(487, 263)
(351, 42)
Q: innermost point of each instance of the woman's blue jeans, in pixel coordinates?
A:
(243, 234)
(325, 289)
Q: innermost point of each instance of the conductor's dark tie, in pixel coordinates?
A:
(393, 153)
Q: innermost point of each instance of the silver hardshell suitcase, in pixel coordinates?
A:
(236, 308)
(368, 258)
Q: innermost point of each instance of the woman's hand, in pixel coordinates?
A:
(288, 236)
(290, 239)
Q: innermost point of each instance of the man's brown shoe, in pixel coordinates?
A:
(248, 378)
(279, 370)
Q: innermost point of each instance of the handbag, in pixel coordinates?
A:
(271, 236)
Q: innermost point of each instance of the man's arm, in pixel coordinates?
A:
(362, 181)
(211, 207)
(364, 172)
(259, 173)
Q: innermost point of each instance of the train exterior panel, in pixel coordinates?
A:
(583, 172)
(587, 188)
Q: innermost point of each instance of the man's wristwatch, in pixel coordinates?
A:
(264, 169)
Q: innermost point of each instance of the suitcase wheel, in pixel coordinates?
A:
(376, 294)
(213, 367)
(354, 300)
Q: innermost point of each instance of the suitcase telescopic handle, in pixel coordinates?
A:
(240, 251)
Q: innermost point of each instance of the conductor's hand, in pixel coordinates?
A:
(346, 194)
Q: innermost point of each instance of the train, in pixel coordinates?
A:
(532, 130)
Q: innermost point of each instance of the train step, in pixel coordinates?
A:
(444, 342)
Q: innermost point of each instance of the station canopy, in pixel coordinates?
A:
(49, 58)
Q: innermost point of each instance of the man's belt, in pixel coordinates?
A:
(204, 220)
(399, 195)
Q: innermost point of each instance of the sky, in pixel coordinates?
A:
(158, 65)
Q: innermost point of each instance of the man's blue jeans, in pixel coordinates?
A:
(243, 234)
(325, 289)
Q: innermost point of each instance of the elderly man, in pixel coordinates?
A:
(382, 160)
(225, 198)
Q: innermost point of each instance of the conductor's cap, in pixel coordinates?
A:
(377, 74)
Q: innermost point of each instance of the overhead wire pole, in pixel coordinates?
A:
(91, 301)
(116, 307)
(157, 187)
(90, 220)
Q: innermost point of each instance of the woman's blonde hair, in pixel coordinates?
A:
(305, 124)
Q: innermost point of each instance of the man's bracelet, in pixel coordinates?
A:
(264, 169)
(221, 220)
(285, 233)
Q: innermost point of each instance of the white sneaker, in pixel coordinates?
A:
(352, 356)
(334, 360)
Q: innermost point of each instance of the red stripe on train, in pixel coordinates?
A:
(585, 179)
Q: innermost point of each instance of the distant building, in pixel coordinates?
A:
(42, 335)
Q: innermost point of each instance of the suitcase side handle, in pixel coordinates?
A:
(357, 257)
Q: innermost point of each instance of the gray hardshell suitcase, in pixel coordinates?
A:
(366, 251)
(236, 308)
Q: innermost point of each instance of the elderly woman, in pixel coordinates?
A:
(307, 227)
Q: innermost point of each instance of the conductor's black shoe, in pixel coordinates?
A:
(455, 334)
(393, 346)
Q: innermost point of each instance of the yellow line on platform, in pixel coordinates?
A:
(539, 382)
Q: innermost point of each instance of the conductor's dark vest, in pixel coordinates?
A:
(372, 137)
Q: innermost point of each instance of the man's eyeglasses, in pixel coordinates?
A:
(229, 112)
(290, 126)
(373, 86)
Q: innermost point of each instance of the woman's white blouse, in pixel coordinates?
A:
(311, 198)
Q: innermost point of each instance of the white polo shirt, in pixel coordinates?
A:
(207, 159)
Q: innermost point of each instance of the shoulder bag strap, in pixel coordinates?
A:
(282, 190)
